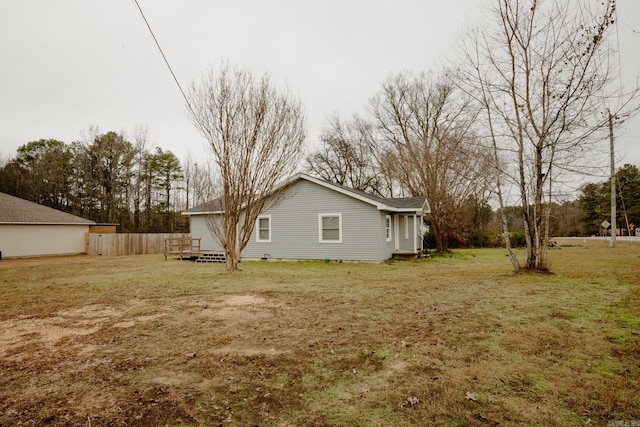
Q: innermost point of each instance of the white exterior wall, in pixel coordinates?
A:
(24, 240)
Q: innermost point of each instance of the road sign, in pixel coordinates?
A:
(605, 224)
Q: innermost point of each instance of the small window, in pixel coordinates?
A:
(330, 228)
(387, 225)
(263, 229)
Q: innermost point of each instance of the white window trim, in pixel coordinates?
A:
(322, 215)
(388, 229)
(257, 227)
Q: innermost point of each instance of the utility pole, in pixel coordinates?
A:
(612, 242)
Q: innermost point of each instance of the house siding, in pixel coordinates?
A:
(200, 229)
(25, 240)
(295, 230)
(295, 226)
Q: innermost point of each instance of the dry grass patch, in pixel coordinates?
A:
(449, 341)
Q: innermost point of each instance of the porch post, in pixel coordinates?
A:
(396, 229)
(415, 233)
(421, 236)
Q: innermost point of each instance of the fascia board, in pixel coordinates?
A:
(45, 223)
(425, 207)
(401, 210)
(203, 213)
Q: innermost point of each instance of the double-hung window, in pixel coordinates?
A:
(263, 229)
(330, 227)
(387, 226)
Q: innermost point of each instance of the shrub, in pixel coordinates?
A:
(485, 239)
(478, 239)
(517, 240)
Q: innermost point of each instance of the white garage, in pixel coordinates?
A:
(29, 229)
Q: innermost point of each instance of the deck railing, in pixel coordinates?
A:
(182, 246)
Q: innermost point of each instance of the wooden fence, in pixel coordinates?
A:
(128, 243)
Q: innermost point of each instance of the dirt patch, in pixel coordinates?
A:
(87, 320)
(240, 309)
(135, 320)
(62, 325)
(247, 351)
(240, 300)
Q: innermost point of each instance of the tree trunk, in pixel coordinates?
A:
(231, 260)
(441, 241)
(231, 249)
(505, 230)
(168, 227)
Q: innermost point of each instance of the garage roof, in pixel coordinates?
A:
(14, 210)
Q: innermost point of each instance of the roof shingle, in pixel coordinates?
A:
(14, 210)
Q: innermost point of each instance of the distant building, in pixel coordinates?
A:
(29, 229)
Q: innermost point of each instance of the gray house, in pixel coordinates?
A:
(319, 220)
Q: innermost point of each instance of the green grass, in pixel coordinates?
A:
(143, 341)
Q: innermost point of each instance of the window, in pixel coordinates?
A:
(330, 228)
(387, 225)
(263, 229)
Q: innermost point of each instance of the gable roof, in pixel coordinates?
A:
(14, 210)
(391, 204)
(215, 206)
(408, 203)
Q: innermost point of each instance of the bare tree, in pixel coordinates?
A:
(541, 75)
(349, 156)
(141, 175)
(205, 183)
(431, 149)
(188, 171)
(255, 135)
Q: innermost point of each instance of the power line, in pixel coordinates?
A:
(175, 79)
(617, 25)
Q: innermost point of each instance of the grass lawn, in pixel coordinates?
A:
(449, 341)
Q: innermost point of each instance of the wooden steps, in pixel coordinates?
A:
(405, 255)
(211, 257)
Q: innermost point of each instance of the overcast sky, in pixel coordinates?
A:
(70, 64)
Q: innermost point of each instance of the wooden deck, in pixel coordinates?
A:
(189, 248)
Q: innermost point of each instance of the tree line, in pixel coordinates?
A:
(109, 179)
(595, 202)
